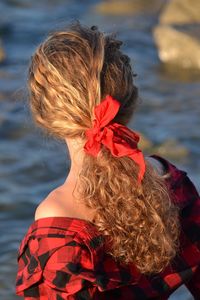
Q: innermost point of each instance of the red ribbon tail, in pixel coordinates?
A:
(138, 157)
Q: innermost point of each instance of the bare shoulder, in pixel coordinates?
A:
(51, 206)
(61, 203)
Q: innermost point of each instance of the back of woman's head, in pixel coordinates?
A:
(70, 73)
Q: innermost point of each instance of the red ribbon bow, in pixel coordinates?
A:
(118, 138)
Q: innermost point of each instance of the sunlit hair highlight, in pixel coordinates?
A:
(70, 73)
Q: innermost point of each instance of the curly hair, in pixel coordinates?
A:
(69, 74)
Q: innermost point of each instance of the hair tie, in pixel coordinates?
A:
(119, 139)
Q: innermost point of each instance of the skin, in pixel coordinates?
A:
(60, 202)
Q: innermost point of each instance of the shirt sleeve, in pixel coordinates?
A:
(65, 271)
(191, 226)
(69, 268)
(70, 273)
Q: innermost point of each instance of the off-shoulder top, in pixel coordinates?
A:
(66, 258)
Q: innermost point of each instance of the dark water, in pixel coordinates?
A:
(31, 164)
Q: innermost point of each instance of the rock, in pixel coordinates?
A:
(169, 148)
(128, 7)
(2, 53)
(178, 46)
(181, 12)
(175, 73)
(145, 143)
(172, 149)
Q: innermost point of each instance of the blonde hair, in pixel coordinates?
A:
(70, 73)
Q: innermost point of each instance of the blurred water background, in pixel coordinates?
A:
(32, 164)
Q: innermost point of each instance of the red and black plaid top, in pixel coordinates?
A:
(65, 258)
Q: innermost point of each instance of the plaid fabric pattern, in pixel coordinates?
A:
(65, 258)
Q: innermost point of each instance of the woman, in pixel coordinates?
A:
(121, 226)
